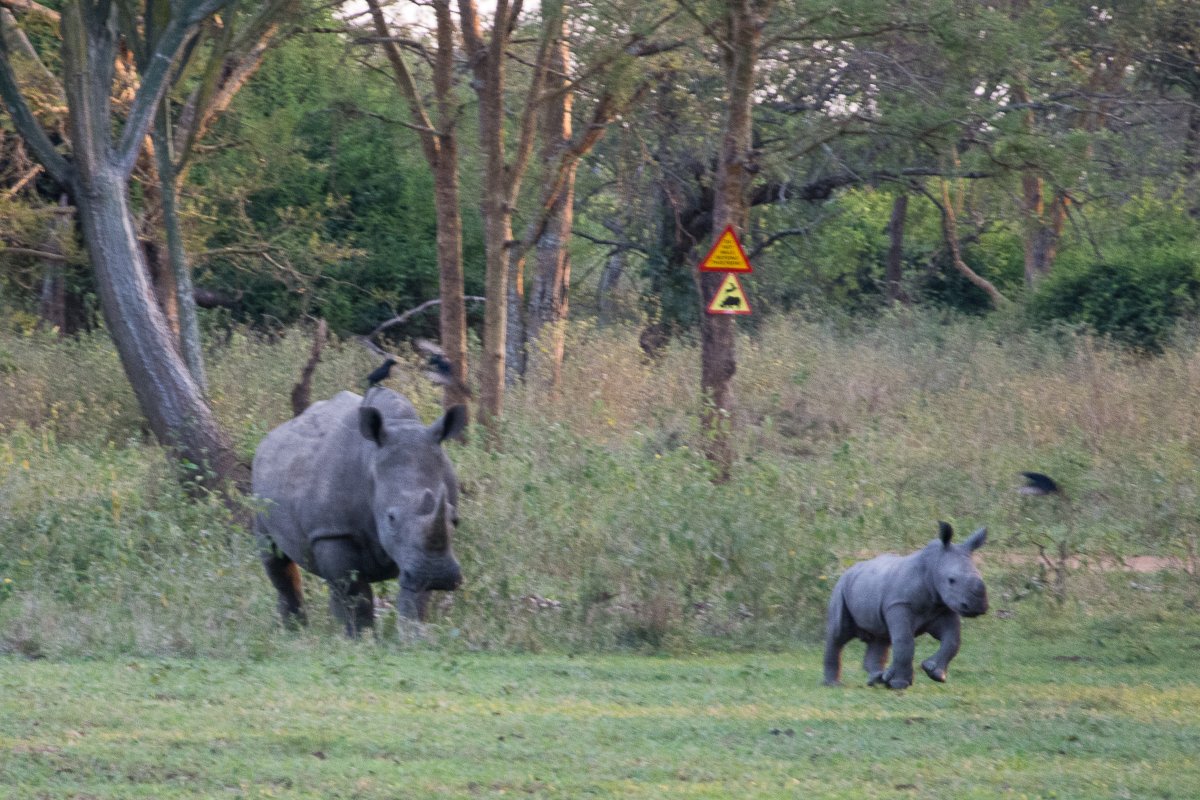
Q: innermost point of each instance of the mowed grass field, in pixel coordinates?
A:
(1035, 708)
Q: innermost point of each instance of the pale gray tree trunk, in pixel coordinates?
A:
(52, 302)
(894, 269)
(546, 308)
(501, 180)
(185, 297)
(102, 159)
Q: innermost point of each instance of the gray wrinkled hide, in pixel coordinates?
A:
(356, 493)
(890, 600)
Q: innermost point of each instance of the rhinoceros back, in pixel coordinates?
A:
(310, 475)
(868, 588)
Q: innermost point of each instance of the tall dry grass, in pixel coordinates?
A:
(594, 523)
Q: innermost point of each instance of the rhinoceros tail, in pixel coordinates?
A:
(839, 629)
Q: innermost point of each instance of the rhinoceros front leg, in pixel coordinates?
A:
(947, 629)
(351, 600)
(900, 629)
(412, 605)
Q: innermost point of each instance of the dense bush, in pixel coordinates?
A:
(1135, 302)
(841, 263)
(1136, 285)
(325, 206)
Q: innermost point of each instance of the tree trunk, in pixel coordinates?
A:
(168, 396)
(166, 393)
(102, 158)
(895, 258)
(606, 289)
(449, 216)
(501, 179)
(546, 311)
(1043, 228)
(514, 324)
(440, 147)
(188, 328)
(718, 360)
(52, 303)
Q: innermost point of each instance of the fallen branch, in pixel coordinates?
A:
(302, 391)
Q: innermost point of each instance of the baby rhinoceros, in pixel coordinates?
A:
(890, 600)
(359, 491)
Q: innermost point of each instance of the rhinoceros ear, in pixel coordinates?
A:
(370, 424)
(451, 425)
(976, 540)
(945, 533)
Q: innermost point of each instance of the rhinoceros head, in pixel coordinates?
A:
(955, 577)
(415, 498)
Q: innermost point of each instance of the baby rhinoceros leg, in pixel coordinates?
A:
(947, 629)
(900, 628)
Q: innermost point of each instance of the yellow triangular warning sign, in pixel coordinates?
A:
(730, 298)
(726, 255)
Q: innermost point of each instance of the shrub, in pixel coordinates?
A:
(1134, 302)
(1135, 284)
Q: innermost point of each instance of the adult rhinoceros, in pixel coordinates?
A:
(358, 491)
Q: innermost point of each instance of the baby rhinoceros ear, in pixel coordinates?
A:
(976, 540)
(945, 533)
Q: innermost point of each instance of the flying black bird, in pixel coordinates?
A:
(380, 373)
(441, 369)
(1038, 484)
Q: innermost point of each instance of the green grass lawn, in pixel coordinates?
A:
(1086, 708)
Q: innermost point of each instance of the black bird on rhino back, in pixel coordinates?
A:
(358, 491)
(890, 600)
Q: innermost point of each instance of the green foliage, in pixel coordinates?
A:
(1143, 282)
(329, 191)
(841, 264)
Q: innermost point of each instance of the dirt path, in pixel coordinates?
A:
(1141, 564)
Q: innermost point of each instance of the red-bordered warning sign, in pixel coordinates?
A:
(726, 255)
(730, 298)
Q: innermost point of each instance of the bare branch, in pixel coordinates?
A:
(24, 120)
(30, 7)
(708, 29)
(405, 83)
(778, 236)
(950, 232)
(614, 244)
(407, 315)
(42, 254)
(154, 81)
(25, 179)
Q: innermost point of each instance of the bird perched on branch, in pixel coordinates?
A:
(1038, 484)
(441, 369)
(380, 373)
